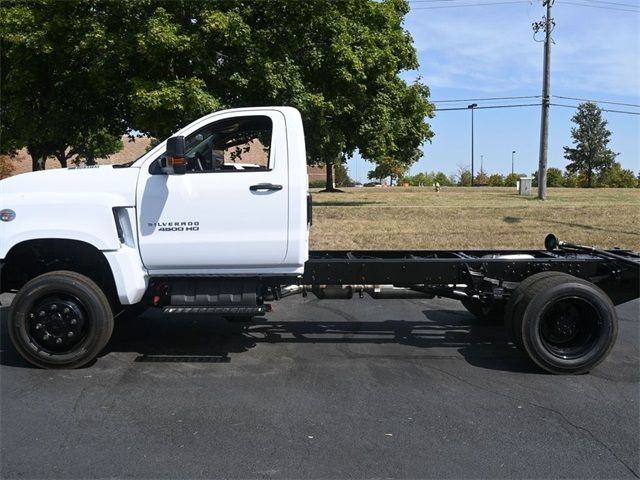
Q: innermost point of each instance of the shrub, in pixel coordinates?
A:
(481, 179)
(617, 177)
(569, 180)
(496, 180)
(442, 179)
(318, 184)
(511, 179)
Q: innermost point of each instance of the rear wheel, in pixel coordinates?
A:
(60, 320)
(516, 299)
(565, 324)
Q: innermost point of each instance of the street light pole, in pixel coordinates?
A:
(512, 154)
(481, 163)
(472, 106)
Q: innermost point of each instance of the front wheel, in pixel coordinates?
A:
(566, 325)
(60, 319)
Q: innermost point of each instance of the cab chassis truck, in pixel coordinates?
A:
(215, 221)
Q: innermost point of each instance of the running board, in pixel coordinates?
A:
(223, 311)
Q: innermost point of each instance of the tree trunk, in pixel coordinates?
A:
(331, 184)
(62, 158)
(38, 158)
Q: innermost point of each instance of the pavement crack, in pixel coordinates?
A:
(548, 409)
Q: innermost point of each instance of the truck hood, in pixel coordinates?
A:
(73, 204)
(116, 184)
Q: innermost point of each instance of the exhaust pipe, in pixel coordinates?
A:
(341, 292)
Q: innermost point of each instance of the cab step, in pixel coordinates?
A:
(227, 311)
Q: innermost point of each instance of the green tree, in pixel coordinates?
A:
(442, 179)
(464, 178)
(340, 67)
(388, 167)
(617, 177)
(74, 68)
(342, 178)
(511, 179)
(496, 180)
(482, 179)
(554, 178)
(569, 180)
(590, 154)
(60, 83)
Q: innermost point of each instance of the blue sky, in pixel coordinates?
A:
(489, 51)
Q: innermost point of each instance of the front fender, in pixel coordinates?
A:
(62, 217)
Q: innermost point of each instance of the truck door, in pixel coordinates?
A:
(229, 212)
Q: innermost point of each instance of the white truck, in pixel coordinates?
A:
(215, 221)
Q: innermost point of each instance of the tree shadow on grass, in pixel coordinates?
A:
(569, 224)
(344, 204)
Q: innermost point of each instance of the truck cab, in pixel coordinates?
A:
(236, 205)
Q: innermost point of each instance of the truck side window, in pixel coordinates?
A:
(231, 145)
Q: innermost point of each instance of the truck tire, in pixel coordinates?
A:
(565, 325)
(516, 299)
(485, 311)
(60, 319)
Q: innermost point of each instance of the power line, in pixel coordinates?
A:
(600, 1)
(531, 105)
(596, 101)
(602, 109)
(484, 99)
(487, 107)
(434, 1)
(563, 2)
(470, 5)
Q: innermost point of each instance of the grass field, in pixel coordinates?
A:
(420, 218)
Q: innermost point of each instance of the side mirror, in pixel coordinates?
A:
(174, 160)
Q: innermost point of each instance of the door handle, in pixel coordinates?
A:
(265, 186)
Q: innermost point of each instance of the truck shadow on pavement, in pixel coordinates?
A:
(194, 339)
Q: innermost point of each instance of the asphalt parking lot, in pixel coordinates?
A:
(321, 389)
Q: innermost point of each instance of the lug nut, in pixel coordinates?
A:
(58, 340)
(69, 334)
(73, 321)
(54, 307)
(38, 326)
(46, 336)
(66, 310)
(41, 313)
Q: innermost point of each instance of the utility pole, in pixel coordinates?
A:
(481, 163)
(547, 25)
(472, 106)
(512, 155)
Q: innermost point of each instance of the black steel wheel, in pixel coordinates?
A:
(566, 325)
(60, 320)
(516, 298)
